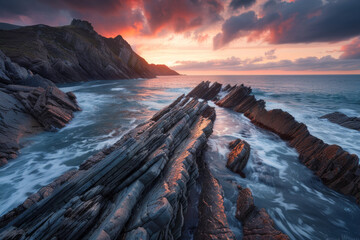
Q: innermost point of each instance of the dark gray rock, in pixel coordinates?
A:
(136, 189)
(73, 53)
(25, 108)
(343, 120)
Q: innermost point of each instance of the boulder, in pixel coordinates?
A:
(239, 156)
(343, 120)
(257, 223)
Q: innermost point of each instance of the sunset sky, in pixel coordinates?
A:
(217, 36)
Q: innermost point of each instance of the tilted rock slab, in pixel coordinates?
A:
(136, 189)
(213, 222)
(337, 168)
(343, 120)
(256, 222)
(238, 156)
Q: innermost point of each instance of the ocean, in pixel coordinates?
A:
(300, 205)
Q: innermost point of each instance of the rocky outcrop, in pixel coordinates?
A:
(205, 91)
(213, 223)
(256, 222)
(343, 120)
(136, 189)
(238, 156)
(337, 168)
(34, 105)
(74, 53)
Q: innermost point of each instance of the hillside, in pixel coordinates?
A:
(75, 53)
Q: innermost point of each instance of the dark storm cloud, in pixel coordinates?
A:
(326, 63)
(181, 15)
(351, 50)
(236, 4)
(142, 16)
(295, 22)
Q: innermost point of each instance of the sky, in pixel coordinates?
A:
(217, 36)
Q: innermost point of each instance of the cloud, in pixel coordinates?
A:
(112, 16)
(295, 22)
(236, 4)
(326, 63)
(270, 55)
(351, 50)
(200, 38)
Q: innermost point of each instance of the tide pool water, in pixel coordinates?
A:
(300, 205)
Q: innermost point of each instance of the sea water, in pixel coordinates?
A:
(300, 205)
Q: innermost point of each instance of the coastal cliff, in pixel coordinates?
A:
(75, 53)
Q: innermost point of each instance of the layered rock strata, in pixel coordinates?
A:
(29, 103)
(212, 223)
(343, 120)
(136, 189)
(238, 156)
(256, 222)
(337, 168)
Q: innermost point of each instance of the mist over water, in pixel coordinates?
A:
(300, 205)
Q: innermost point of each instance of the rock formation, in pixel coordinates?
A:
(239, 156)
(135, 189)
(256, 223)
(213, 222)
(29, 103)
(337, 168)
(75, 53)
(343, 120)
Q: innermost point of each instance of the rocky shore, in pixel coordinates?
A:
(337, 168)
(29, 103)
(136, 189)
(155, 178)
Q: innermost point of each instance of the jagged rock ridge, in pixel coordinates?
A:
(75, 53)
(337, 168)
(136, 189)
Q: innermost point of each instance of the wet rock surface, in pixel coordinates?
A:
(135, 189)
(239, 156)
(213, 222)
(29, 104)
(337, 168)
(256, 223)
(343, 120)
